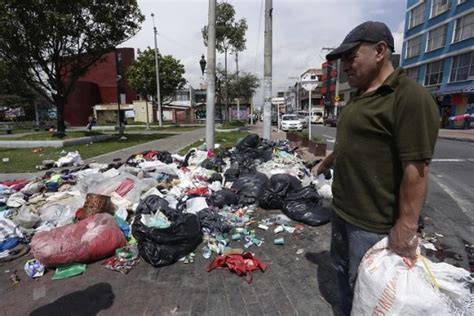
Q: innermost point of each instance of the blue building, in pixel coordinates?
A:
(438, 52)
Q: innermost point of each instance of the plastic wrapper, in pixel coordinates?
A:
(25, 218)
(34, 269)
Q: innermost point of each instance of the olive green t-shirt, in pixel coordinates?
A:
(376, 132)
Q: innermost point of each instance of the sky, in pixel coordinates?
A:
(301, 29)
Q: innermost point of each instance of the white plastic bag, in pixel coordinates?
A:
(387, 286)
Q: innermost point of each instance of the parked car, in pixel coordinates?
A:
(274, 119)
(304, 118)
(330, 121)
(317, 117)
(291, 122)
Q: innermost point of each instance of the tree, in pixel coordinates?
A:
(142, 74)
(242, 86)
(51, 44)
(230, 35)
(14, 91)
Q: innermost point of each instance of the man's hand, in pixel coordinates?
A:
(327, 163)
(403, 241)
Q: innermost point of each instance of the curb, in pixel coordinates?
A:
(52, 143)
(461, 139)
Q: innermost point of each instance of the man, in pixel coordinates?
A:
(385, 140)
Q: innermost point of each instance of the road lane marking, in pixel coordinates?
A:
(463, 204)
(330, 139)
(452, 160)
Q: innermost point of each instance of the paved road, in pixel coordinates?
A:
(449, 207)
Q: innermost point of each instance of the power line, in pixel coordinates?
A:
(258, 36)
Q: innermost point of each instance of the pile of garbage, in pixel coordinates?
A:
(160, 207)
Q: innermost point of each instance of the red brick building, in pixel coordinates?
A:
(98, 86)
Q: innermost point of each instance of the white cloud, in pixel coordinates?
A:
(301, 28)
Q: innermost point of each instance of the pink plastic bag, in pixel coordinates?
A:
(89, 240)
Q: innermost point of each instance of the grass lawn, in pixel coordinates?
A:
(26, 159)
(225, 140)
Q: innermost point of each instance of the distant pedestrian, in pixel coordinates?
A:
(385, 140)
(91, 122)
(467, 121)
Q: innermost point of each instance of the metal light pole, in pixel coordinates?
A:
(158, 97)
(211, 75)
(267, 71)
(147, 115)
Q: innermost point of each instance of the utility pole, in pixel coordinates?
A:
(157, 70)
(336, 92)
(267, 71)
(211, 76)
(237, 75)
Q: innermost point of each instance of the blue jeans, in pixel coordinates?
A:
(349, 243)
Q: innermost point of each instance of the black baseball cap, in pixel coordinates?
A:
(370, 31)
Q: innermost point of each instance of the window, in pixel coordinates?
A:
(464, 28)
(434, 73)
(416, 15)
(413, 47)
(440, 6)
(182, 97)
(413, 73)
(462, 67)
(436, 38)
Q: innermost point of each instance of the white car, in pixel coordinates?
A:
(291, 122)
(317, 117)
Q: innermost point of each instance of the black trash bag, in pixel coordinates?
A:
(249, 141)
(306, 206)
(222, 197)
(164, 156)
(213, 221)
(161, 247)
(190, 154)
(276, 190)
(215, 177)
(231, 174)
(215, 163)
(250, 187)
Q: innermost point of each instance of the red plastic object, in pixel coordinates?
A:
(89, 240)
(202, 191)
(241, 264)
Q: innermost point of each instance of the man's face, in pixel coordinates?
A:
(360, 65)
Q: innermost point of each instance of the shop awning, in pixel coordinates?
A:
(452, 89)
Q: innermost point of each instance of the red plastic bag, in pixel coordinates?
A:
(86, 241)
(241, 264)
(201, 191)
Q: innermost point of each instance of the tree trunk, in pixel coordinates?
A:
(59, 103)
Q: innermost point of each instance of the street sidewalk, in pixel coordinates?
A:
(457, 134)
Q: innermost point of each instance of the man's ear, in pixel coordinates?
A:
(381, 49)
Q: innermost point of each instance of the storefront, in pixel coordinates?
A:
(456, 105)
